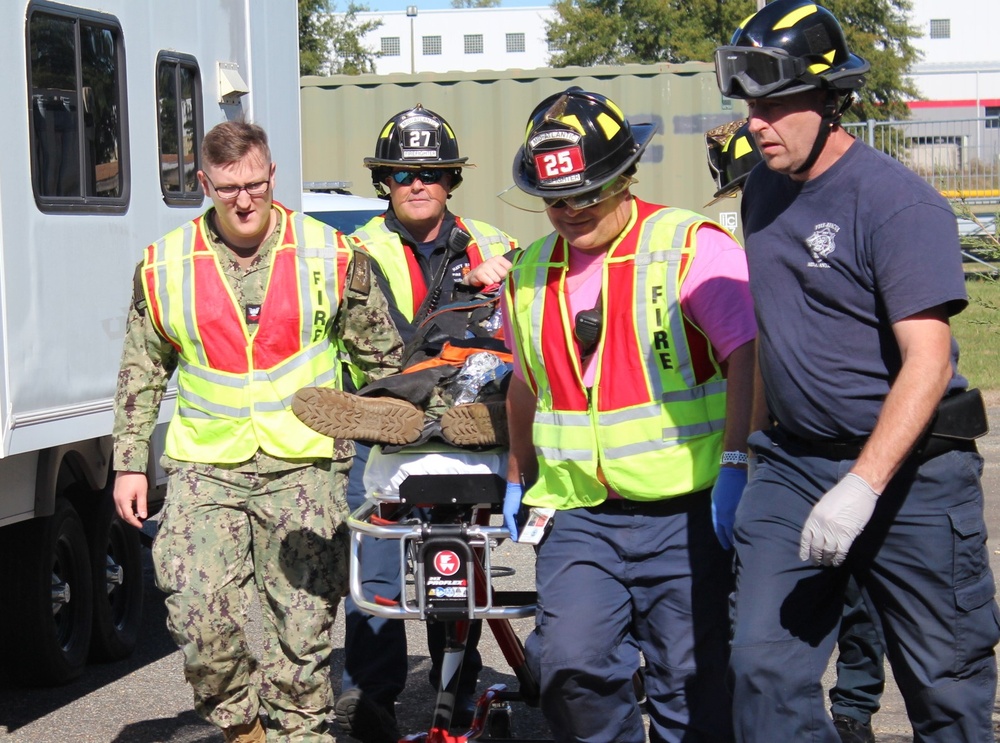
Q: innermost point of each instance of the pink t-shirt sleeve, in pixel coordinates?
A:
(715, 294)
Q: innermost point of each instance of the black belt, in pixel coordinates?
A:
(665, 507)
(930, 447)
(959, 420)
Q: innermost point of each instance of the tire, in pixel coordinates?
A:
(47, 592)
(116, 565)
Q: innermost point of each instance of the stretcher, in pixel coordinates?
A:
(436, 503)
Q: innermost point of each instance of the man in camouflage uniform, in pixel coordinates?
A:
(249, 302)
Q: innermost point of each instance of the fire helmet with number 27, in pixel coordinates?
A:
(416, 138)
(577, 142)
(787, 47)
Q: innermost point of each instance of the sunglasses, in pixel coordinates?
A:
(590, 198)
(427, 177)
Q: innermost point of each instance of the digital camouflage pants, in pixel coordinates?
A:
(223, 536)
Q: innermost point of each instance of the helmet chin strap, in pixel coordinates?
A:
(834, 109)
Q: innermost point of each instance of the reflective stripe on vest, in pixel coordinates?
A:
(234, 391)
(386, 247)
(652, 430)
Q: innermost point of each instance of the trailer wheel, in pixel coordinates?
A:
(116, 564)
(49, 598)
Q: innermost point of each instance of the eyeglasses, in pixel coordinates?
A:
(230, 193)
(755, 73)
(590, 198)
(427, 177)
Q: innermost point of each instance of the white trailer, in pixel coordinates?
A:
(104, 106)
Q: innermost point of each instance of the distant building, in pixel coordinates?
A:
(959, 74)
(952, 138)
(465, 39)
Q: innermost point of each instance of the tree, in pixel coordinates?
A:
(613, 32)
(592, 32)
(330, 43)
(475, 3)
(881, 32)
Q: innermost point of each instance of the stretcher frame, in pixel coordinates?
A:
(467, 502)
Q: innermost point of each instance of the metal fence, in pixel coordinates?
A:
(960, 158)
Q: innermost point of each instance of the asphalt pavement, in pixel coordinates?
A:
(144, 699)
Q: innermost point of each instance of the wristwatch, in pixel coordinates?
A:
(735, 457)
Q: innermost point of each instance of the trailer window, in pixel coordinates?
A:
(179, 117)
(76, 84)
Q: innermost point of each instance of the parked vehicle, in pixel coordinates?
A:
(332, 203)
(106, 105)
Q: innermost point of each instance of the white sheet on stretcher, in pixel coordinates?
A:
(385, 472)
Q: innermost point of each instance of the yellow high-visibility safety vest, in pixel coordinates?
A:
(235, 391)
(651, 426)
(386, 247)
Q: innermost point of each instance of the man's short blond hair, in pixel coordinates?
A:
(230, 142)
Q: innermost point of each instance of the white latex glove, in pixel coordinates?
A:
(836, 520)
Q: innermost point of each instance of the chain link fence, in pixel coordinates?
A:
(959, 157)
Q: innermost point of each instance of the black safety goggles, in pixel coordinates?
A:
(427, 177)
(744, 71)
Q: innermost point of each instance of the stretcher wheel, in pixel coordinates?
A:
(498, 721)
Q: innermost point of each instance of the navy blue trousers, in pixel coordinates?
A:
(923, 568)
(860, 660)
(612, 583)
(375, 659)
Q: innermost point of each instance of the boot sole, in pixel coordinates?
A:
(476, 424)
(362, 721)
(341, 415)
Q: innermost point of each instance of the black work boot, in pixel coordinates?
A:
(365, 720)
(465, 709)
(853, 731)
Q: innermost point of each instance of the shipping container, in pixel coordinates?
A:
(488, 110)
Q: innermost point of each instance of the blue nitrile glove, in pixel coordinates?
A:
(725, 497)
(511, 505)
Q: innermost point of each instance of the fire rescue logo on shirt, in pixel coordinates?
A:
(821, 244)
(446, 562)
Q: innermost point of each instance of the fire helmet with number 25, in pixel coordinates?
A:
(577, 142)
(416, 138)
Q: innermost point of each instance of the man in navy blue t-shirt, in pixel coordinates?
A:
(855, 270)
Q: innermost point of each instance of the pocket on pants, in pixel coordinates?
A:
(971, 561)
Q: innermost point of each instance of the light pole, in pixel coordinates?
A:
(411, 13)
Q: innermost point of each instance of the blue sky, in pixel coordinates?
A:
(385, 5)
